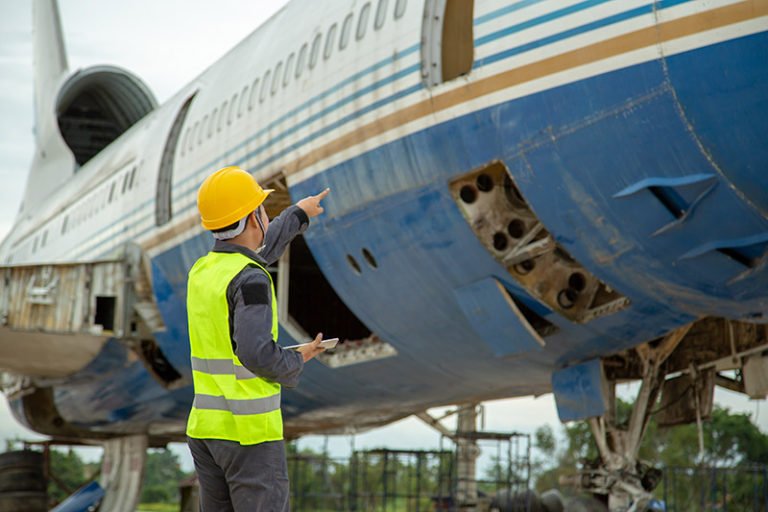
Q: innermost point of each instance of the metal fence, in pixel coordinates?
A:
(373, 480)
(700, 489)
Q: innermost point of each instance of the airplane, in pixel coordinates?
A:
(529, 197)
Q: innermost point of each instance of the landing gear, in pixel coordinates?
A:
(619, 475)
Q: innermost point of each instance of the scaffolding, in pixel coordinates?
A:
(387, 480)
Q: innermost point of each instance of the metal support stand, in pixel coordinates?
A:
(122, 472)
(467, 453)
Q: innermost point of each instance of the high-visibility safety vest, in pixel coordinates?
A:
(231, 403)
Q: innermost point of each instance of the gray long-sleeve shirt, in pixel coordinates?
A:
(249, 297)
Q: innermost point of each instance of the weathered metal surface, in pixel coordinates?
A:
(756, 376)
(580, 391)
(351, 352)
(54, 319)
(49, 315)
(496, 319)
(505, 224)
(59, 298)
(679, 401)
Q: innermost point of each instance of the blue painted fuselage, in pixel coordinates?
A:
(590, 158)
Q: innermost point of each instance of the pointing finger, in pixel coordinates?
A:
(322, 194)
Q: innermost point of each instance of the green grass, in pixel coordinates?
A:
(158, 507)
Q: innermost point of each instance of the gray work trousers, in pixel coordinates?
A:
(236, 478)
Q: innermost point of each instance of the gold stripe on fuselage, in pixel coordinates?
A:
(657, 34)
(639, 39)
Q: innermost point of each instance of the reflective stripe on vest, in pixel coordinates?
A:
(230, 402)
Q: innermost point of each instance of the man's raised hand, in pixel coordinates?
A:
(311, 205)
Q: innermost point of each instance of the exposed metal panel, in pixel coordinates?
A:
(59, 298)
(507, 226)
(45, 355)
(496, 319)
(756, 376)
(579, 391)
(54, 319)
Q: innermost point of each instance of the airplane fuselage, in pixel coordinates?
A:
(627, 138)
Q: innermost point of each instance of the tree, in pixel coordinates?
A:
(162, 474)
(67, 474)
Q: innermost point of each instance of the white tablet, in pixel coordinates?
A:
(329, 343)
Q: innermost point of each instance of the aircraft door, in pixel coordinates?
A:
(163, 210)
(447, 49)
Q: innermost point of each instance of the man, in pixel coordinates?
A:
(235, 428)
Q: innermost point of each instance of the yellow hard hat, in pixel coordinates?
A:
(228, 195)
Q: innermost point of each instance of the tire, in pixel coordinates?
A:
(22, 471)
(21, 479)
(583, 504)
(522, 501)
(552, 501)
(23, 502)
(21, 459)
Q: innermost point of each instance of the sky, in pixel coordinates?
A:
(167, 43)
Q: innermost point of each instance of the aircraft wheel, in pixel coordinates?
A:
(552, 501)
(22, 482)
(508, 501)
(585, 505)
(23, 502)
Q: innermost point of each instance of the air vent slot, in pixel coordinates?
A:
(680, 196)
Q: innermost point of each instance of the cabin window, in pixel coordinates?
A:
(131, 178)
(265, 85)
(45, 238)
(125, 180)
(212, 126)
(112, 187)
(232, 107)
(243, 96)
(448, 49)
(64, 224)
(288, 66)
(362, 22)
(330, 41)
(315, 53)
(381, 14)
(346, 31)
(302, 60)
(206, 127)
(222, 113)
(400, 8)
(254, 94)
(277, 76)
(34, 245)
